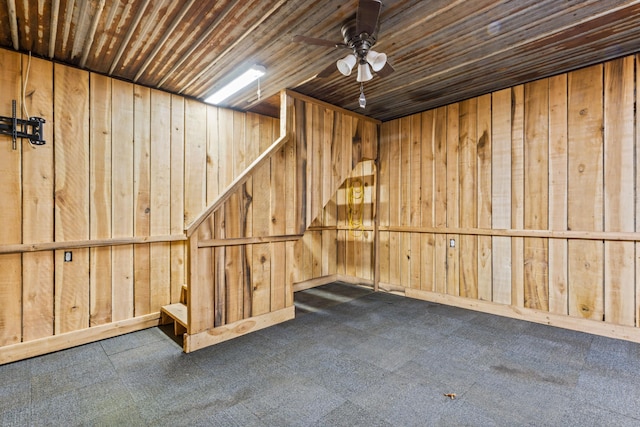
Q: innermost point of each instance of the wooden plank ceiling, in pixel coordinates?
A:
(443, 50)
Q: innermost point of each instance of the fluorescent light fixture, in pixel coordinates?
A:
(240, 82)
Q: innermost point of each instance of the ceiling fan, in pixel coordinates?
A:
(359, 35)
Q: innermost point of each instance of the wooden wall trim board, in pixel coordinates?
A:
(548, 234)
(94, 243)
(619, 209)
(297, 95)
(376, 226)
(338, 227)
(38, 169)
(585, 208)
(212, 243)
(11, 212)
(331, 278)
(100, 143)
(637, 199)
(193, 342)
(71, 111)
(623, 332)
(122, 207)
(36, 347)
(558, 298)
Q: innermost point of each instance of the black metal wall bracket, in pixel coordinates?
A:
(32, 129)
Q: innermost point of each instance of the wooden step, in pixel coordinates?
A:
(178, 314)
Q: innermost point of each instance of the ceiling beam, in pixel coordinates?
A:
(127, 37)
(53, 27)
(13, 23)
(164, 39)
(233, 45)
(92, 33)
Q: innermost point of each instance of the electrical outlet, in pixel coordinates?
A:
(452, 243)
(68, 256)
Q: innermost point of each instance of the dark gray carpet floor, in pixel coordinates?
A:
(350, 358)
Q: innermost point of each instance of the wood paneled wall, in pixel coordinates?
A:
(122, 164)
(526, 197)
(521, 202)
(248, 251)
(340, 243)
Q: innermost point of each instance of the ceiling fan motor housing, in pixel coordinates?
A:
(360, 43)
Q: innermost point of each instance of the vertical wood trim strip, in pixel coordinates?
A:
(415, 202)
(142, 198)
(71, 109)
(195, 198)
(11, 213)
(100, 291)
(536, 193)
(585, 187)
(484, 150)
(404, 138)
(440, 198)
(383, 202)
(427, 200)
(38, 206)
(619, 271)
(637, 191)
(468, 141)
(160, 199)
(122, 198)
(395, 200)
(178, 258)
(453, 198)
(517, 194)
(501, 194)
(558, 153)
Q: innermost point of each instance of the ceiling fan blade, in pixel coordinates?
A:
(367, 16)
(316, 42)
(386, 70)
(327, 71)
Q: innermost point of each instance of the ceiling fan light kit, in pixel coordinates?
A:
(364, 72)
(359, 35)
(376, 60)
(346, 64)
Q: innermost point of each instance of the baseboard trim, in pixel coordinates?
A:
(234, 330)
(628, 333)
(40, 346)
(331, 278)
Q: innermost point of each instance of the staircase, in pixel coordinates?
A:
(177, 313)
(350, 144)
